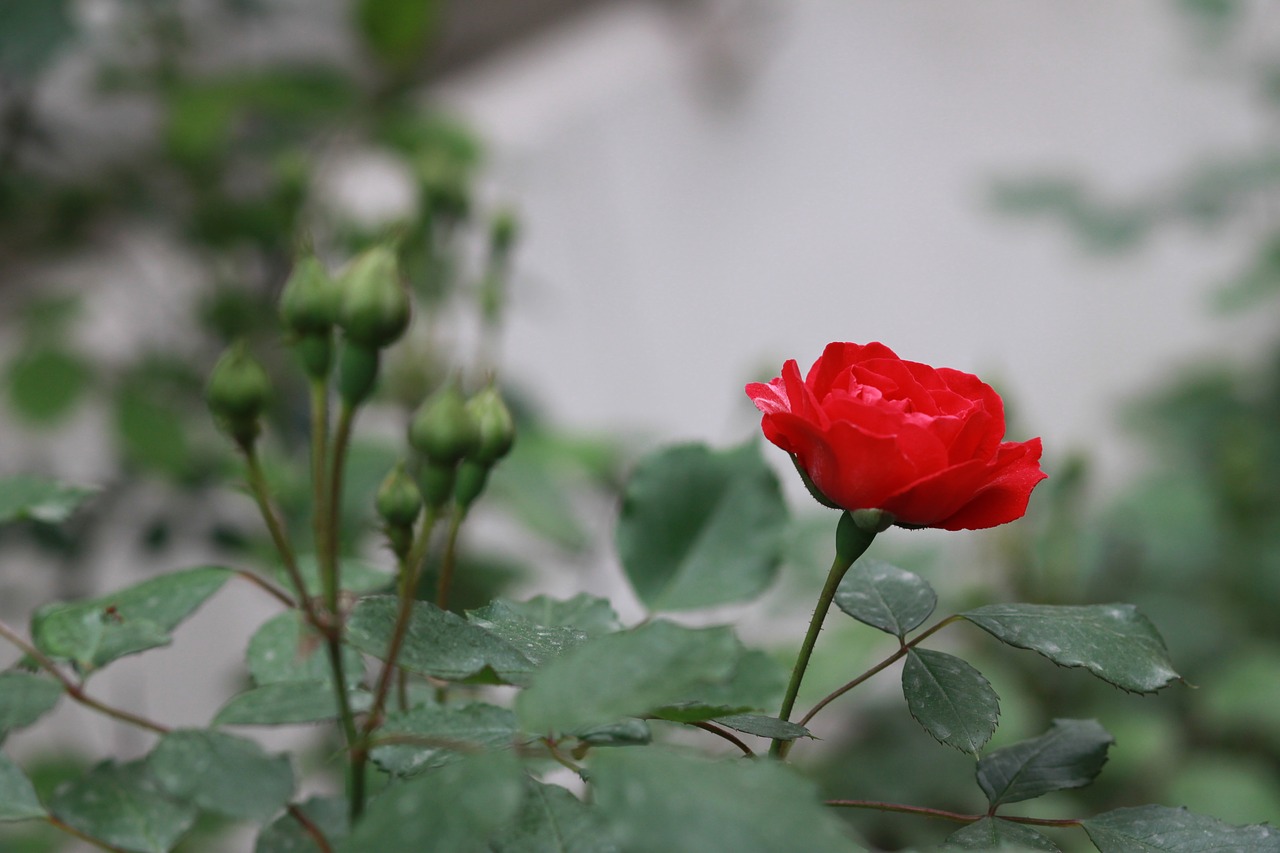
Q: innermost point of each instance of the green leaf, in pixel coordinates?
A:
(699, 527)
(18, 800)
(357, 576)
(286, 649)
(627, 674)
(763, 726)
(46, 384)
(1148, 829)
(885, 597)
(436, 643)
(149, 434)
(440, 735)
(96, 631)
(1069, 755)
(221, 773)
(286, 702)
(453, 808)
(950, 699)
(552, 820)
(24, 497)
(1113, 641)
(24, 698)
(121, 805)
(993, 833)
(630, 732)
(538, 643)
(286, 835)
(586, 613)
(654, 801)
(398, 31)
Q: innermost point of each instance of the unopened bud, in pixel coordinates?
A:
(374, 309)
(399, 500)
(309, 301)
(443, 430)
(238, 388)
(494, 424)
(357, 373)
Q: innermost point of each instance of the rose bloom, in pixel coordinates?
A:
(869, 430)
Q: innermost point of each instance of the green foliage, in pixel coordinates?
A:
(950, 699)
(122, 805)
(431, 736)
(1069, 755)
(18, 800)
(1150, 829)
(285, 702)
(286, 835)
(24, 698)
(552, 820)
(284, 650)
(886, 597)
(993, 833)
(46, 384)
(48, 501)
(221, 773)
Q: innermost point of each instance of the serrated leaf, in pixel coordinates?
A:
(993, 833)
(286, 835)
(627, 674)
(286, 702)
(1160, 829)
(18, 800)
(452, 808)
(538, 643)
(763, 726)
(285, 648)
(886, 597)
(1113, 641)
(653, 801)
(700, 527)
(96, 631)
(221, 773)
(434, 736)
(436, 642)
(552, 820)
(1069, 755)
(586, 613)
(122, 805)
(38, 499)
(356, 576)
(950, 699)
(24, 698)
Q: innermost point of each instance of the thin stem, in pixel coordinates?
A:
(262, 495)
(320, 529)
(554, 750)
(331, 569)
(450, 558)
(956, 817)
(849, 548)
(83, 836)
(267, 587)
(310, 828)
(727, 735)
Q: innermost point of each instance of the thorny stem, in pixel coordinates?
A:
(946, 815)
(450, 558)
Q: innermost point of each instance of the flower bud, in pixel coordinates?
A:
(309, 301)
(496, 429)
(436, 482)
(443, 430)
(374, 310)
(238, 387)
(357, 373)
(399, 500)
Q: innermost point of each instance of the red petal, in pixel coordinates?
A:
(1004, 497)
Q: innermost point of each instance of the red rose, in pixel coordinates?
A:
(872, 431)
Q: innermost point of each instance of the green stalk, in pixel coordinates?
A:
(450, 559)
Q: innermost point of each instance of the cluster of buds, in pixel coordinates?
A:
(460, 441)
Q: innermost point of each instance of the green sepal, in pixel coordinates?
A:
(357, 373)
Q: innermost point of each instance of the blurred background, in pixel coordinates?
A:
(631, 209)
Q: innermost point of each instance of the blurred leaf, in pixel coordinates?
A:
(653, 801)
(357, 576)
(284, 703)
(538, 643)
(18, 800)
(1242, 694)
(452, 809)
(700, 527)
(121, 805)
(442, 735)
(586, 613)
(1159, 828)
(24, 698)
(31, 33)
(152, 434)
(885, 597)
(763, 726)
(286, 835)
(552, 820)
(221, 773)
(38, 499)
(757, 682)
(46, 384)
(286, 649)
(1113, 641)
(950, 699)
(398, 31)
(99, 630)
(993, 833)
(1069, 755)
(1233, 787)
(629, 732)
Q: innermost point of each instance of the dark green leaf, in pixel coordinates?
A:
(285, 649)
(1113, 641)
(950, 699)
(885, 597)
(1069, 755)
(286, 835)
(99, 630)
(757, 682)
(552, 820)
(622, 733)
(626, 674)
(24, 497)
(700, 528)
(430, 736)
(654, 801)
(286, 702)
(762, 726)
(24, 698)
(1151, 829)
(452, 808)
(538, 643)
(993, 833)
(121, 805)
(18, 800)
(436, 643)
(586, 613)
(46, 384)
(221, 773)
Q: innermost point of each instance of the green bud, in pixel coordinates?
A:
(496, 428)
(238, 387)
(473, 476)
(503, 232)
(374, 311)
(435, 482)
(309, 301)
(357, 373)
(443, 430)
(399, 500)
